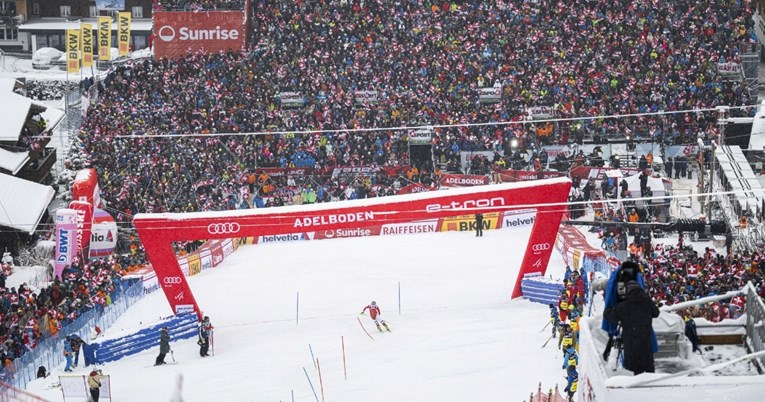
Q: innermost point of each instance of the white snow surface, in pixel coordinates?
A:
(459, 336)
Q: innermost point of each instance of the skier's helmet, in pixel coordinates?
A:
(207, 318)
(374, 303)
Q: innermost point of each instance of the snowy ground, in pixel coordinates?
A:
(459, 337)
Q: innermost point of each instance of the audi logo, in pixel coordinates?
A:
(171, 280)
(223, 228)
(540, 247)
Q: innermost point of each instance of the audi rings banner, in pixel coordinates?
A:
(177, 32)
(158, 231)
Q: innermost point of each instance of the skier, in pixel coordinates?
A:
(570, 357)
(554, 319)
(164, 346)
(374, 313)
(205, 328)
(567, 337)
(68, 353)
(572, 382)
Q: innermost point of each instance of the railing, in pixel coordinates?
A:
(49, 352)
(755, 324)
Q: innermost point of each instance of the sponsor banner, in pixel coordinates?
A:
(73, 42)
(123, 33)
(104, 38)
(463, 180)
(355, 170)
(343, 233)
(421, 137)
(525, 175)
(331, 219)
(466, 223)
(66, 230)
(291, 99)
(277, 172)
(87, 45)
(85, 187)
(111, 5)
(184, 264)
(729, 68)
(103, 237)
(216, 254)
(206, 258)
(365, 97)
(519, 218)
(184, 308)
(84, 225)
(178, 32)
(490, 95)
(681, 150)
(195, 264)
(228, 248)
(409, 227)
(283, 238)
(150, 283)
(415, 188)
(540, 112)
(590, 172)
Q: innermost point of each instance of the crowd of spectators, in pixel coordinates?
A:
(426, 61)
(28, 316)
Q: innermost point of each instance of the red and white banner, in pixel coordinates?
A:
(463, 180)
(157, 232)
(176, 32)
(66, 244)
(591, 172)
(276, 172)
(85, 187)
(415, 188)
(84, 225)
(509, 176)
(355, 170)
(103, 238)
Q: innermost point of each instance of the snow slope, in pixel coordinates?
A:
(458, 337)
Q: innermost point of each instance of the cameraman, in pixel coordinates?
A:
(628, 306)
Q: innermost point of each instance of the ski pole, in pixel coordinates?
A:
(545, 327)
(546, 342)
(172, 355)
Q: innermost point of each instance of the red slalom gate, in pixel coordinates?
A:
(158, 231)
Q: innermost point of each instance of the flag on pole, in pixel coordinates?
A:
(73, 50)
(123, 33)
(87, 45)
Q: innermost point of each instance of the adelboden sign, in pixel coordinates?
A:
(177, 32)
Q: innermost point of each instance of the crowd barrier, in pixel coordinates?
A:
(179, 327)
(538, 289)
(577, 252)
(49, 352)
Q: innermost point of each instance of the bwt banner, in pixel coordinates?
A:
(66, 243)
(178, 32)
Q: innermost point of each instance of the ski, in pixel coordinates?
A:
(166, 364)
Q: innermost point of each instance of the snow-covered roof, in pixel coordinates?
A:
(62, 24)
(9, 84)
(12, 161)
(23, 207)
(13, 113)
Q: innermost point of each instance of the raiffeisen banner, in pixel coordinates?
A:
(177, 32)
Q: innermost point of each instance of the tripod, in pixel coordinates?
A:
(614, 341)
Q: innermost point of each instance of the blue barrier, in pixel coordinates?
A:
(539, 289)
(179, 327)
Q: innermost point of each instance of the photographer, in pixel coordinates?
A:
(633, 311)
(94, 383)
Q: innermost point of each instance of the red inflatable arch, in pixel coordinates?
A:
(157, 231)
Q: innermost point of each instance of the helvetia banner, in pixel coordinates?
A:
(66, 242)
(103, 236)
(178, 32)
(87, 45)
(72, 50)
(123, 33)
(104, 38)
